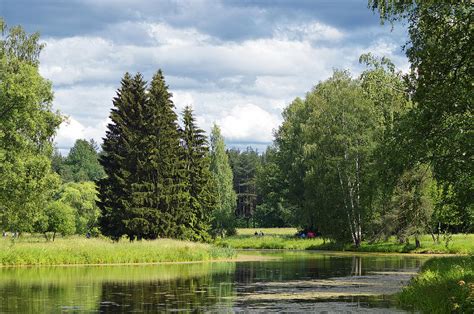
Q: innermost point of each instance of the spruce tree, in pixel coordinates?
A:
(223, 220)
(158, 195)
(198, 180)
(119, 158)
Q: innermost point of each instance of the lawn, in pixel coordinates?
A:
(283, 238)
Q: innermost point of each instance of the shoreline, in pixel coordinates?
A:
(334, 252)
(242, 258)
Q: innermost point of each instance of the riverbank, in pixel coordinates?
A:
(81, 251)
(284, 239)
(444, 285)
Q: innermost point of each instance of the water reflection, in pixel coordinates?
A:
(298, 281)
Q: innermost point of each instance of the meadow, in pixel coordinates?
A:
(29, 250)
(284, 238)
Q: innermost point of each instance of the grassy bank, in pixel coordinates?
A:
(283, 238)
(445, 285)
(102, 251)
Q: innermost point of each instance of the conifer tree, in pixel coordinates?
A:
(223, 220)
(198, 180)
(119, 159)
(158, 194)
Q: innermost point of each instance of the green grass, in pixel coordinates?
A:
(445, 285)
(283, 238)
(75, 250)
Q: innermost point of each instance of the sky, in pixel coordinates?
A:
(237, 63)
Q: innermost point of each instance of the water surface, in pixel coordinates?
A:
(292, 281)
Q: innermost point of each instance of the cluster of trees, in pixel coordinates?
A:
(81, 164)
(40, 191)
(155, 179)
(161, 179)
(385, 153)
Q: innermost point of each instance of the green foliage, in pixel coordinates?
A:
(101, 251)
(244, 166)
(439, 128)
(81, 164)
(223, 218)
(411, 206)
(290, 157)
(27, 125)
(273, 210)
(340, 136)
(445, 285)
(57, 217)
(157, 196)
(117, 158)
(198, 180)
(82, 196)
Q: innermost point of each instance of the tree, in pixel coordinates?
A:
(223, 220)
(412, 205)
(290, 160)
(244, 166)
(439, 127)
(82, 163)
(198, 179)
(27, 125)
(82, 197)
(57, 217)
(118, 158)
(273, 209)
(158, 195)
(339, 142)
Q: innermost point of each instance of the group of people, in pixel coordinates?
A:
(14, 234)
(306, 235)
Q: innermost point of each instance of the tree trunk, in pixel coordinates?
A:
(417, 242)
(54, 236)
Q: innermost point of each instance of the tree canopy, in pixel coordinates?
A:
(27, 127)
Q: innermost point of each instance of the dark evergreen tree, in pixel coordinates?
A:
(158, 196)
(198, 179)
(119, 157)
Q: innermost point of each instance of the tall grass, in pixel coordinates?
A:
(445, 285)
(283, 238)
(102, 251)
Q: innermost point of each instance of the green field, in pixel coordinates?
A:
(78, 250)
(445, 285)
(283, 238)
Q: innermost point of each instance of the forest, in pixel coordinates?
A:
(359, 158)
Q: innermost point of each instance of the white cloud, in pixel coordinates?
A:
(308, 32)
(248, 123)
(71, 130)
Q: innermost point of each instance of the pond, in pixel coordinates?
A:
(280, 281)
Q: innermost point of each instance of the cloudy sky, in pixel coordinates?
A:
(238, 63)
